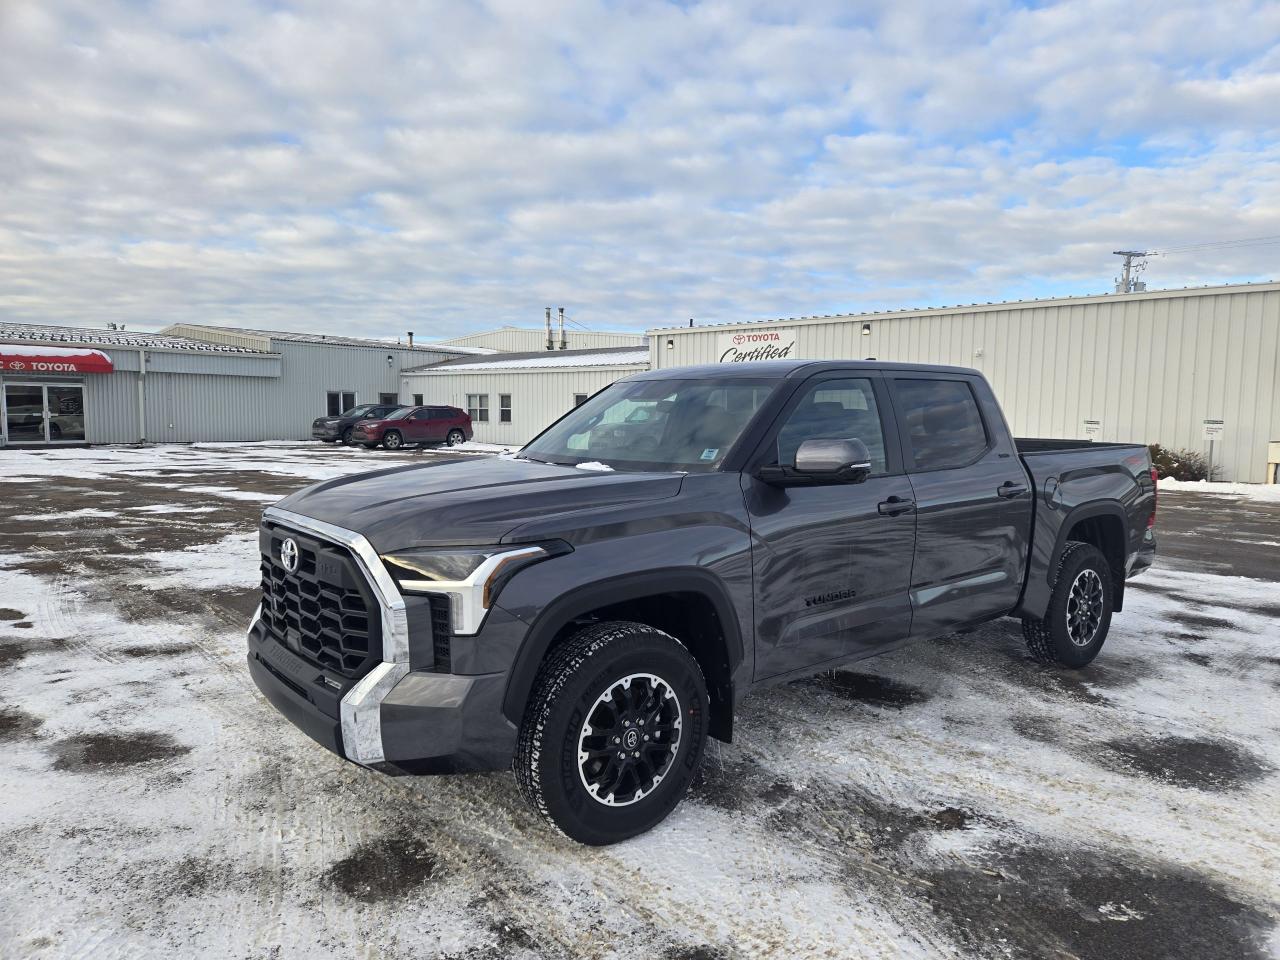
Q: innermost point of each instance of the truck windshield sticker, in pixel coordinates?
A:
(709, 453)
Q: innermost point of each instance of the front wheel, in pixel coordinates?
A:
(455, 437)
(346, 437)
(1079, 616)
(613, 732)
(393, 440)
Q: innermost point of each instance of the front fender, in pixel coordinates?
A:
(612, 572)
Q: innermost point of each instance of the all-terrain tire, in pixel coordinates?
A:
(1063, 637)
(575, 675)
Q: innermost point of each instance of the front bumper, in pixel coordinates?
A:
(325, 433)
(427, 722)
(394, 718)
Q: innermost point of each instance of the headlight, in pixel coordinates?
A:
(470, 577)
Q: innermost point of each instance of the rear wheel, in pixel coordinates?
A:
(613, 732)
(1079, 616)
(393, 440)
(455, 437)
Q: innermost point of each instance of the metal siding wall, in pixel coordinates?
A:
(538, 397)
(232, 338)
(1151, 367)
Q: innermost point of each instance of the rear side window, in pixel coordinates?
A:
(944, 427)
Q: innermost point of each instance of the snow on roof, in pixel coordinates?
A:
(341, 341)
(46, 333)
(605, 357)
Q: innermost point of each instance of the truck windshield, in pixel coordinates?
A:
(688, 425)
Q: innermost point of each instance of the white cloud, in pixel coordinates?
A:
(375, 166)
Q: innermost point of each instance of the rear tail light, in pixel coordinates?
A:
(1155, 496)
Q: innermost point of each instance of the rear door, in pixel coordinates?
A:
(973, 502)
(441, 420)
(831, 564)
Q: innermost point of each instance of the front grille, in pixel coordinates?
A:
(324, 610)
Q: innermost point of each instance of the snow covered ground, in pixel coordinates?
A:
(953, 799)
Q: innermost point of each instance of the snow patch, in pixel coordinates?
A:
(594, 465)
(1269, 492)
(231, 562)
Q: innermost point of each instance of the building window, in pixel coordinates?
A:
(388, 398)
(417, 399)
(504, 408)
(579, 399)
(340, 401)
(478, 407)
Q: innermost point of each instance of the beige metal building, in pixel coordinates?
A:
(1148, 367)
(512, 397)
(522, 340)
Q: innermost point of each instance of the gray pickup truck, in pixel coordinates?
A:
(593, 608)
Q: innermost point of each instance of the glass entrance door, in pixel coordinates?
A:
(39, 413)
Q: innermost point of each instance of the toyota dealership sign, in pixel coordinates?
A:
(746, 345)
(21, 358)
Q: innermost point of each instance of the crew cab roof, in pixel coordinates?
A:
(784, 369)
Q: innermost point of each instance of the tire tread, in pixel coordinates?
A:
(562, 664)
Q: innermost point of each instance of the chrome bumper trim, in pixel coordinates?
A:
(362, 705)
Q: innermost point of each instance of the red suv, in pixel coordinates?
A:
(414, 425)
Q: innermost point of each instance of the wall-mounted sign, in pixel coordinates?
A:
(22, 359)
(743, 346)
(1213, 429)
(1092, 428)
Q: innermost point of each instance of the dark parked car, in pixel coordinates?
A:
(415, 425)
(335, 429)
(591, 611)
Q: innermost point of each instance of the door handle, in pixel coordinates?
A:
(896, 505)
(1008, 490)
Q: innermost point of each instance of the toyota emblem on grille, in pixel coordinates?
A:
(289, 555)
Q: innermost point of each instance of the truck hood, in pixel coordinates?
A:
(473, 501)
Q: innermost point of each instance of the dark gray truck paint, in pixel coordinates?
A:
(762, 583)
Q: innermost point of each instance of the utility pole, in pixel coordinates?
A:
(1128, 281)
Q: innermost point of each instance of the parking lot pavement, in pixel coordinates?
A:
(952, 799)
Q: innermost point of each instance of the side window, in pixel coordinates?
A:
(943, 425)
(579, 399)
(478, 407)
(504, 408)
(835, 410)
(423, 414)
(388, 398)
(417, 399)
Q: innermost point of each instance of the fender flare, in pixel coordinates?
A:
(1088, 511)
(583, 599)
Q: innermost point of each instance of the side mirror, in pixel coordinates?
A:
(835, 461)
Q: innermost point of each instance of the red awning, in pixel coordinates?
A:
(25, 359)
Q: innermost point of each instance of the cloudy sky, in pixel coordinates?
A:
(372, 166)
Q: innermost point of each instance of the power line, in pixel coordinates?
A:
(1219, 244)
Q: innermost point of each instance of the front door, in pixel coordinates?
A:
(420, 426)
(831, 564)
(40, 413)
